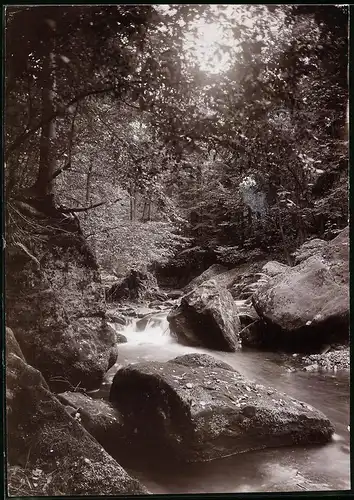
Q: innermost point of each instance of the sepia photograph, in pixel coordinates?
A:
(176, 249)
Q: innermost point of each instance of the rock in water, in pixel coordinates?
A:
(44, 439)
(208, 317)
(198, 410)
(308, 306)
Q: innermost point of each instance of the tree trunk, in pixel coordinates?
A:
(144, 210)
(134, 204)
(131, 207)
(44, 183)
(132, 191)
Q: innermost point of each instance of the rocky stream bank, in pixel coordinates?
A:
(64, 336)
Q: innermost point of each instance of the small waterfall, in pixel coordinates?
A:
(151, 329)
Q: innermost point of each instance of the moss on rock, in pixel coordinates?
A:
(43, 437)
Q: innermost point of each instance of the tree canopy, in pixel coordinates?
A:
(221, 124)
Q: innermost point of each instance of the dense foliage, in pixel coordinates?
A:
(121, 115)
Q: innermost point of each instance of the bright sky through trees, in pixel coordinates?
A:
(203, 43)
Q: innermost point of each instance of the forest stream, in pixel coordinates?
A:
(176, 176)
(284, 469)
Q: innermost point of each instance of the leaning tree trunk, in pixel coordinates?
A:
(44, 183)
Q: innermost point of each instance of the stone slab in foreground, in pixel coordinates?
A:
(200, 411)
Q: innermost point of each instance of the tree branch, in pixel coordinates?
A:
(29, 132)
(83, 209)
(65, 210)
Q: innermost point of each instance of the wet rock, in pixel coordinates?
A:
(308, 306)
(246, 313)
(121, 339)
(42, 436)
(99, 418)
(252, 335)
(240, 281)
(199, 411)
(114, 317)
(184, 266)
(207, 316)
(248, 284)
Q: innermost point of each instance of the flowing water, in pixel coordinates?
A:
(284, 469)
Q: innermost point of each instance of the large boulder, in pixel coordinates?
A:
(49, 452)
(308, 306)
(55, 301)
(241, 281)
(199, 409)
(208, 317)
(210, 273)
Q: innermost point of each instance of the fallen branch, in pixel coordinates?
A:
(247, 326)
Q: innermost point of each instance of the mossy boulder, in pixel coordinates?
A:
(199, 410)
(55, 301)
(45, 443)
